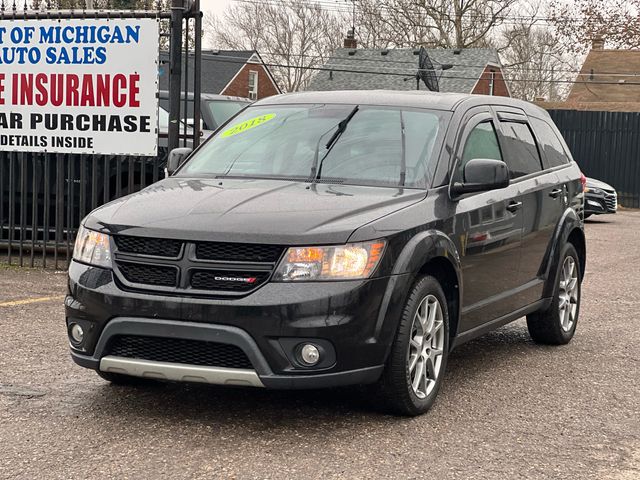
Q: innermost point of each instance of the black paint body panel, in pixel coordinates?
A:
(504, 261)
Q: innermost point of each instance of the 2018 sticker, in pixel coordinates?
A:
(248, 125)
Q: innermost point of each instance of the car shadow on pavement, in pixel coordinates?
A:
(251, 408)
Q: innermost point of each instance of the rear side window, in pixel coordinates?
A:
(482, 142)
(522, 155)
(554, 153)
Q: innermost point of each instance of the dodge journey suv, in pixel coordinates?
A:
(323, 239)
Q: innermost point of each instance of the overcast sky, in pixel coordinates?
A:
(215, 6)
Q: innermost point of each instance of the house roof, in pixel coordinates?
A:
(615, 78)
(468, 65)
(219, 67)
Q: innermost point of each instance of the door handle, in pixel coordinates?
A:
(555, 193)
(513, 207)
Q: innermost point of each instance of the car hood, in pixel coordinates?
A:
(593, 183)
(268, 211)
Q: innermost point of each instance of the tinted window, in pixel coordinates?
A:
(550, 144)
(482, 142)
(223, 110)
(522, 155)
(290, 141)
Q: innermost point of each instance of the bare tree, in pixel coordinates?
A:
(436, 23)
(293, 36)
(581, 21)
(536, 65)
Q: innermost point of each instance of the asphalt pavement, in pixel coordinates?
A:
(508, 408)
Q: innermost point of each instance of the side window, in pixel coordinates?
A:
(554, 152)
(482, 142)
(522, 155)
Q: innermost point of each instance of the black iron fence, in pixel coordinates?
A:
(606, 145)
(44, 196)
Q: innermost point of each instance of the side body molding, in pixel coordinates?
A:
(423, 247)
(569, 222)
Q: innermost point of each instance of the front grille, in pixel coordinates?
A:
(175, 350)
(194, 268)
(612, 201)
(227, 281)
(164, 276)
(158, 247)
(238, 252)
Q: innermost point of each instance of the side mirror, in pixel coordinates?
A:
(177, 156)
(481, 175)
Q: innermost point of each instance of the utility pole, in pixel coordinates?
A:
(197, 114)
(175, 72)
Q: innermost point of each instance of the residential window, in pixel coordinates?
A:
(253, 85)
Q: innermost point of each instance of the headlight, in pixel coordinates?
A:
(92, 248)
(345, 262)
(595, 191)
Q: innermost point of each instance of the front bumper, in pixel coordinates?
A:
(600, 203)
(355, 322)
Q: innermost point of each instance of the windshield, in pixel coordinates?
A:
(387, 146)
(223, 110)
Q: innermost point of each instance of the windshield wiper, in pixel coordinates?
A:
(316, 169)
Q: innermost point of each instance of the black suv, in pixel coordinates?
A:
(335, 238)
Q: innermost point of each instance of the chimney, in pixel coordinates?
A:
(350, 40)
(597, 43)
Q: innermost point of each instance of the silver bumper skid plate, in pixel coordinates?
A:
(180, 372)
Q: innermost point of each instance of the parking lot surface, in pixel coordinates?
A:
(508, 408)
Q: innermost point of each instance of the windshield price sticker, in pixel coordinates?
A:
(248, 125)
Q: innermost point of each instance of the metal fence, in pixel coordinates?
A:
(606, 145)
(44, 196)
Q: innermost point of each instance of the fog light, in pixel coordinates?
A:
(309, 354)
(77, 333)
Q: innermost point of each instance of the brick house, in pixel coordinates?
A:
(608, 82)
(473, 70)
(239, 73)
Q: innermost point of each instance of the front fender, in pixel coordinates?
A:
(418, 252)
(424, 247)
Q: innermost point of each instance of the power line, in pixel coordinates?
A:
(504, 18)
(242, 60)
(355, 58)
(461, 65)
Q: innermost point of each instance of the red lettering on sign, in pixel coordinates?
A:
(87, 99)
(71, 90)
(119, 84)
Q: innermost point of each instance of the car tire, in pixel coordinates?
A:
(557, 324)
(417, 362)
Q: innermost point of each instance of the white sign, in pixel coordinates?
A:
(79, 86)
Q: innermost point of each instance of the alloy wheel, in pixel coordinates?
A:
(426, 345)
(568, 294)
